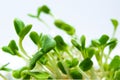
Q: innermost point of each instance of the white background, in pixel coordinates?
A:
(89, 17)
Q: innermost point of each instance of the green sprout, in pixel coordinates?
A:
(65, 27)
(6, 69)
(56, 59)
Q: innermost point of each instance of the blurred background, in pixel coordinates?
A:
(89, 17)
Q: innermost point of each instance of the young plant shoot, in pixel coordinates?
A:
(56, 59)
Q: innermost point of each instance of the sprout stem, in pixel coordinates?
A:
(48, 69)
(4, 78)
(43, 22)
(52, 16)
(22, 49)
(83, 73)
(69, 53)
(65, 67)
(52, 61)
(21, 56)
(113, 34)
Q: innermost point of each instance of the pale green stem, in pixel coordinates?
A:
(69, 53)
(52, 16)
(43, 22)
(48, 69)
(22, 49)
(4, 78)
(83, 73)
(101, 62)
(107, 57)
(21, 56)
(113, 34)
(52, 61)
(84, 54)
(93, 74)
(49, 66)
(65, 67)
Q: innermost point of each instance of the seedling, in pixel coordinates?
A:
(56, 59)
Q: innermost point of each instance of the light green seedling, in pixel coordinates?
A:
(86, 64)
(65, 27)
(20, 28)
(47, 45)
(12, 48)
(50, 60)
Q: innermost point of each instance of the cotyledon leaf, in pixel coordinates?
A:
(64, 26)
(18, 25)
(25, 30)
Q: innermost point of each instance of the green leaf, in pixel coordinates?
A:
(31, 15)
(71, 63)
(35, 58)
(76, 44)
(34, 37)
(25, 75)
(97, 55)
(8, 50)
(91, 51)
(115, 63)
(61, 67)
(25, 30)
(13, 45)
(115, 23)
(40, 39)
(39, 75)
(60, 44)
(12, 48)
(16, 74)
(83, 40)
(74, 62)
(103, 39)
(65, 27)
(86, 64)
(75, 74)
(19, 25)
(95, 43)
(117, 75)
(39, 10)
(68, 63)
(4, 68)
(112, 44)
(45, 9)
(48, 43)
(43, 60)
